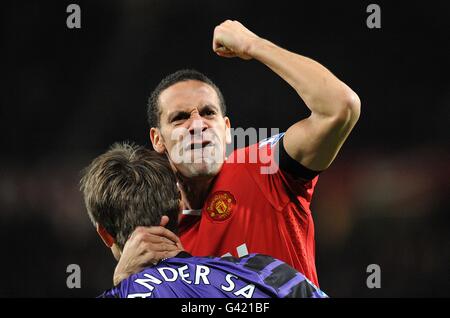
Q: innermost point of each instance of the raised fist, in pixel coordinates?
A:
(232, 39)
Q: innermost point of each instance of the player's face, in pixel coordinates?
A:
(192, 130)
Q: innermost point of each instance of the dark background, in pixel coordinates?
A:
(68, 94)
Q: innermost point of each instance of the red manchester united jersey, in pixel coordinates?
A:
(249, 210)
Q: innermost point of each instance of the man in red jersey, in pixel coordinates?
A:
(234, 206)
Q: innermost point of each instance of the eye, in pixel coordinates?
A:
(208, 112)
(179, 118)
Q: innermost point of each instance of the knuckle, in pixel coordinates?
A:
(140, 237)
(139, 229)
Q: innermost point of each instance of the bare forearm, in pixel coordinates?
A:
(313, 141)
(322, 92)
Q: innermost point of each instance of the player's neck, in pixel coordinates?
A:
(194, 191)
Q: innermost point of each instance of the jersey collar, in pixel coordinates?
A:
(192, 212)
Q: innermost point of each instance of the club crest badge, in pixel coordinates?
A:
(220, 205)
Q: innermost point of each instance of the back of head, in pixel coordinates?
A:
(130, 186)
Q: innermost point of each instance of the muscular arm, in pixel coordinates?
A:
(315, 141)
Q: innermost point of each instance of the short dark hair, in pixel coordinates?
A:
(153, 107)
(130, 186)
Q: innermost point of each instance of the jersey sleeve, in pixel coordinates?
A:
(284, 280)
(291, 166)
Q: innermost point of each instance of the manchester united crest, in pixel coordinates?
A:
(220, 205)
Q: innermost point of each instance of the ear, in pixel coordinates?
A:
(227, 130)
(106, 237)
(157, 140)
(180, 207)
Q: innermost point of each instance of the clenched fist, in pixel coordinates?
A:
(232, 39)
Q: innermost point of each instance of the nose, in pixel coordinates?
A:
(197, 124)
